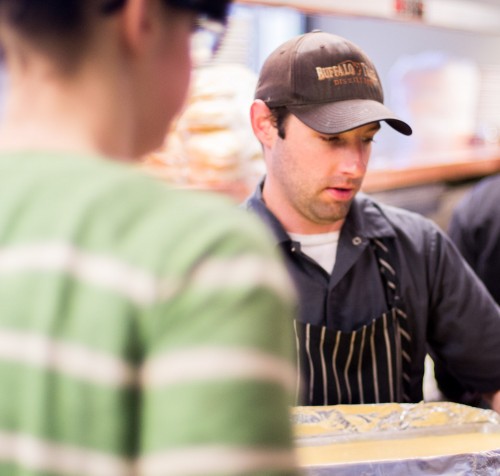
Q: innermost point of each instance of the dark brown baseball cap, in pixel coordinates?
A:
(327, 82)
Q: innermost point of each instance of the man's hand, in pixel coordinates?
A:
(493, 400)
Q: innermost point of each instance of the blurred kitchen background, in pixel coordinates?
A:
(439, 62)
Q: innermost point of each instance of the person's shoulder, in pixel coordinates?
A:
(489, 184)
(418, 238)
(207, 237)
(479, 205)
(398, 217)
(146, 221)
(196, 216)
(414, 233)
(132, 190)
(483, 195)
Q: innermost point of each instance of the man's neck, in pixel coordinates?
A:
(292, 221)
(44, 111)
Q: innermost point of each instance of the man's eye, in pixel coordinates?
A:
(330, 138)
(369, 139)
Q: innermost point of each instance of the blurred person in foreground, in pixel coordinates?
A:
(379, 286)
(142, 330)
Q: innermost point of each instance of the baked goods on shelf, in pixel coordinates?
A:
(211, 144)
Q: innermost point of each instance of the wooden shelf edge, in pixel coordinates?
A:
(388, 179)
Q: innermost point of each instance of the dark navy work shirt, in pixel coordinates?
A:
(452, 315)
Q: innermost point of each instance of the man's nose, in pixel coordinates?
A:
(353, 161)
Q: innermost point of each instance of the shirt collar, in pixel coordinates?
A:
(257, 205)
(365, 219)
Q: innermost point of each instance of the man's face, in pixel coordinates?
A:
(313, 178)
(167, 71)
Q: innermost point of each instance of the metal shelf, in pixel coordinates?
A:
(478, 16)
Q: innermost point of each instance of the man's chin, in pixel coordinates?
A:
(330, 215)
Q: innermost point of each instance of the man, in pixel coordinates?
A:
(379, 286)
(143, 330)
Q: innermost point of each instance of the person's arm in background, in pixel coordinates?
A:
(465, 331)
(461, 231)
(475, 229)
(219, 373)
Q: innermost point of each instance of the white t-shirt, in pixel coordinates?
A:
(321, 248)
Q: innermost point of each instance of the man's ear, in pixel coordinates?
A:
(262, 124)
(136, 23)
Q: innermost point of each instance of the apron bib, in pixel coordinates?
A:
(369, 365)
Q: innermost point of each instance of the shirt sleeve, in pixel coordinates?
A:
(218, 375)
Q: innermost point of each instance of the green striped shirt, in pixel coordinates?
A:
(143, 330)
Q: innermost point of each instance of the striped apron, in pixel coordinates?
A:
(369, 365)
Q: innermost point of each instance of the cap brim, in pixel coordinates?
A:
(341, 116)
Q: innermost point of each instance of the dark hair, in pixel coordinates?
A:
(56, 26)
(214, 9)
(33, 17)
(61, 26)
(63, 16)
(279, 115)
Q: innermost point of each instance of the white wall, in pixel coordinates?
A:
(387, 42)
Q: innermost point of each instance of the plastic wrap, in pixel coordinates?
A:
(437, 438)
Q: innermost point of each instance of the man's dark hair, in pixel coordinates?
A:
(279, 115)
(63, 16)
(213, 9)
(61, 26)
(32, 17)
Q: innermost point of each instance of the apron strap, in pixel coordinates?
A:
(388, 271)
(388, 267)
